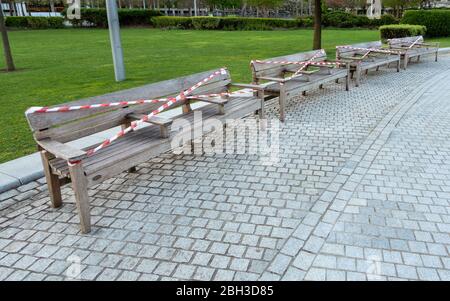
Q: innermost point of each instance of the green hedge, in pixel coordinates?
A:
(401, 31)
(330, 19)
(96, 17)
(437, 21)
(34, 22)
(343, 19)
(229, 23)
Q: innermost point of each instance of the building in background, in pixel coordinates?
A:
(441, 3)
(374, 9)
(16, 9)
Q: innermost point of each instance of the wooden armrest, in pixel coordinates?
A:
(352, 58)
(61, 150)
(428, 44)
(273, 79)
(307, 71)
(154, 120)
(249, 86)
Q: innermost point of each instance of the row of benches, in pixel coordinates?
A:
(281, 77)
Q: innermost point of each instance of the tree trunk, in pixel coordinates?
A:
(317, 44)
(6, 47)
(244, 9)
(12, 8)
(52, 6)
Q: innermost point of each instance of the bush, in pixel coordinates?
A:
(205, 23)
(34, 22)
(401, 31)
(387, 19)
(307, 22)
(172, 22)
(96, 17)
(18, 22)
(226, 23)
(343, 19)
(437, 21)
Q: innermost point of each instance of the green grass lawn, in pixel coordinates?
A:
(57, 66)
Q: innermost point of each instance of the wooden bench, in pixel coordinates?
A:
(364, 60)
(278, 80)
(52, 132)
(411, 47)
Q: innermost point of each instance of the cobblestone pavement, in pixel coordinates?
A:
(361, 192)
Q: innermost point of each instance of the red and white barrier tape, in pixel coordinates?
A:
(415, 42)
(368, 50)
(34, 110)
(304, 64)
(168, 102)
(308, 62)
(402, 41)
(290, 62)
(183, 95)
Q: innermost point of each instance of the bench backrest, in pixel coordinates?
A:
(275, 70)
(407, 41)
(340, 52)
(68, 126)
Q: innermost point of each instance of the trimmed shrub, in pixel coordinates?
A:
(205, 23)
(96, 17)
(343, 19)
(18, 22)
(437, 21)
(307, 21)
(172, 22)
(35, 22)
(401, 31)
(226, 23)
(386, 19)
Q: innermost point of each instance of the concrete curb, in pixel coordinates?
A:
(444, 50)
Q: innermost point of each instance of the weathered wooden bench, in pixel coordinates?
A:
(411, 47)
(279, 79)
(366, 56)
(52, 132)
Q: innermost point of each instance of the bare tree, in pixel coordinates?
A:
(6, 47)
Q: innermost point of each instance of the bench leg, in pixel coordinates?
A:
(358, 75)
(79, 185)
(398, 65)
(261, 111)
(54, 186)
(405, 62)
(337, 80)
(304, 93)
(320, 86)
(124, 126)
(418, 58)
(435, 59)
(282, 100)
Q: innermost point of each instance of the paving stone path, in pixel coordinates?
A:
(361, 192)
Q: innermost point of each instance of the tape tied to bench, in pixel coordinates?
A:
(402, 41)
(168, 102)
(369, 50)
